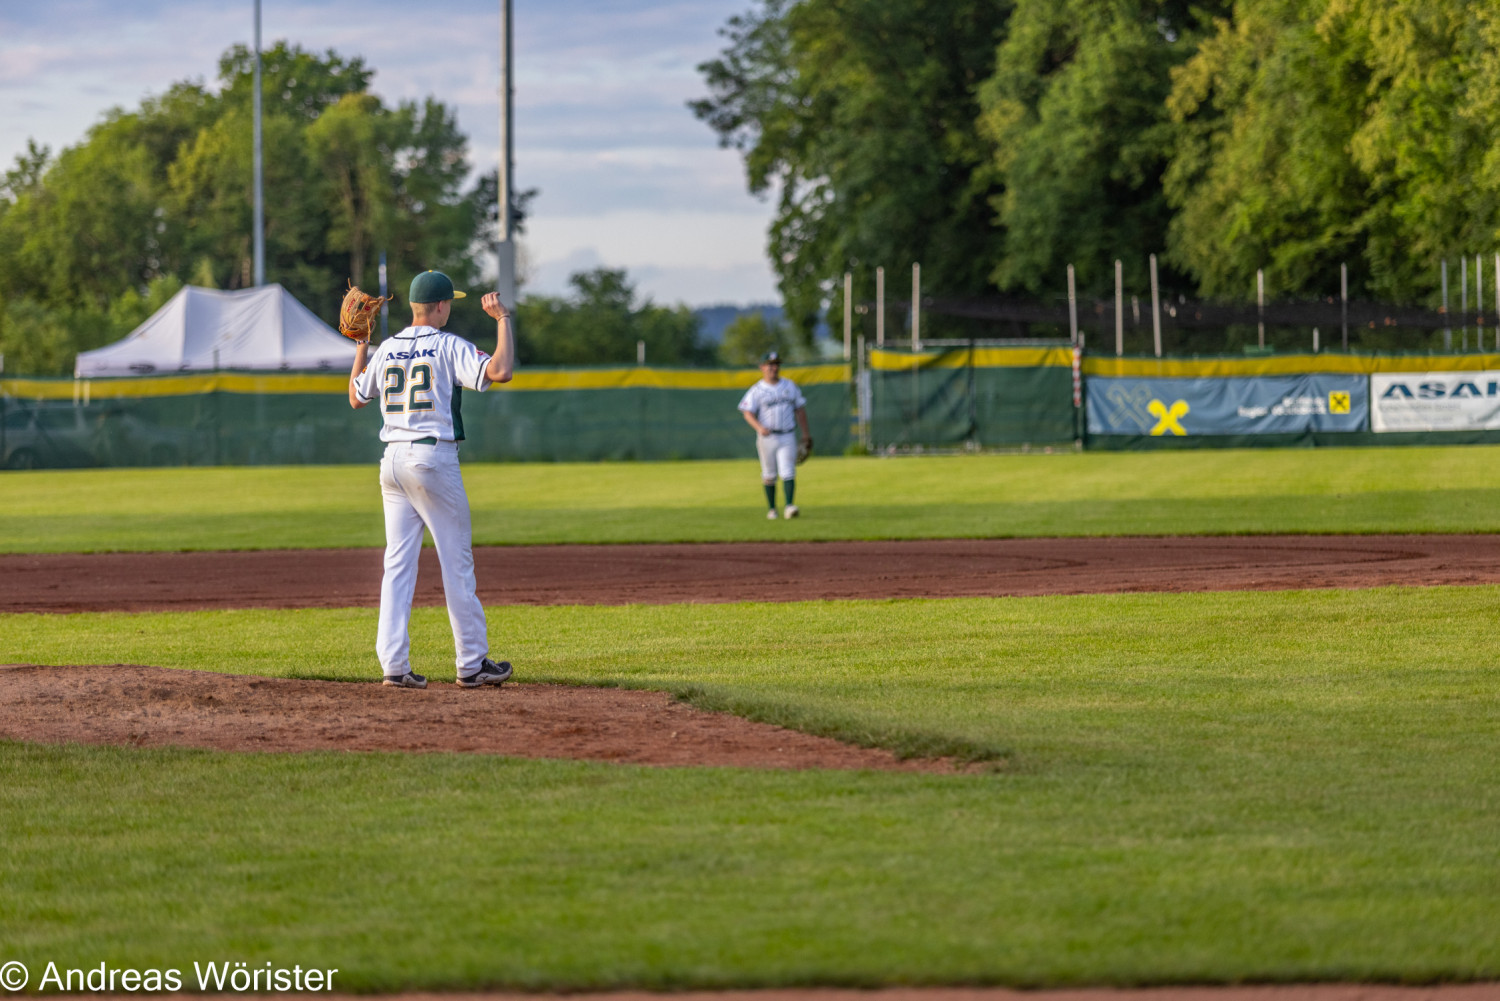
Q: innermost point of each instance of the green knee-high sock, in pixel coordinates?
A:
(771, 496)
(790, 486)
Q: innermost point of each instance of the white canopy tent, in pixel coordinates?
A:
(202, 329)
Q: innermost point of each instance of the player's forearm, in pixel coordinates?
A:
(503, 362)
(750, 420)
(802, 422)
(361, 359)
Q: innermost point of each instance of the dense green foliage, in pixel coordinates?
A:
(750, 336)
(859, 115)
(94, 239)
(1193, 788)
(602, 323)
(997, 143)
(1228, 492)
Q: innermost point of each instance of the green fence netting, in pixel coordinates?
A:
(290, 418)
(981, 397)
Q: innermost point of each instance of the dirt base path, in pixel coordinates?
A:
(794, 571)
(155, 707)
(1269, 992)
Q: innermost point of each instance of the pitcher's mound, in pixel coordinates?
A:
(155, 706)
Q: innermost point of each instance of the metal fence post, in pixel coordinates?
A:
(848, 312)
(1119, 308)
(1072, 309)
(1478, 302)
(1155, 309)
(916, 306)
(1447, 331)
(1463, 298)
(880, 306)
(862, 393)
(1260, 306)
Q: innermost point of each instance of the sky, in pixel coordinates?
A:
(628, 178)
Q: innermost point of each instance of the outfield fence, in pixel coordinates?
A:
(244, 418)
(970, 396)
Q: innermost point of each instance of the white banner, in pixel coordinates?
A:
(1435, 401)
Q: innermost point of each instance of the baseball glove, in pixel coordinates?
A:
(804, 449)
(357, 314)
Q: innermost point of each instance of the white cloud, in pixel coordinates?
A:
(602, 129)
(692, 257)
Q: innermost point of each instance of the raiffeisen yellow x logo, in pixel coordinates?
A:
(1166, 419)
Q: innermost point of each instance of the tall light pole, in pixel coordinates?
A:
(506, 248)
(260, 198)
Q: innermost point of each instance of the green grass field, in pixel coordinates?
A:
(1215, 788)
(1452, 489)
(1212, 787)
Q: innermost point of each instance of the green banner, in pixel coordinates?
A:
(972, 397)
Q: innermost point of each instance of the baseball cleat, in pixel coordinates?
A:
(489, 673)
(791, 510)
(407, 680)
(771, 514)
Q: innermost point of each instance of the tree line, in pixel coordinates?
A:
(96, 238)
(998, 141)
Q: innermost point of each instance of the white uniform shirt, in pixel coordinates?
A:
(413, 375)
(774, 405)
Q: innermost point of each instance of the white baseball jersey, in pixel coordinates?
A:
(775, 405)
(414, 375)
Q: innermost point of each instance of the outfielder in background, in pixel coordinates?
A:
(416, 375)
(776, 408)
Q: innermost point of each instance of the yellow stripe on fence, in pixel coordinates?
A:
(637, 377)
(1304, 364)
(279, 383)
(905, 361)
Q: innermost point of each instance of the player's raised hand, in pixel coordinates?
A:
(491, 304)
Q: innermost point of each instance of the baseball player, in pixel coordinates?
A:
(415, 376)
(775, 408)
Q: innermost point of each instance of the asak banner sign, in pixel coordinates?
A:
(1271, 404)
(1435, 401)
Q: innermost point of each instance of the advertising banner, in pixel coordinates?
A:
(1435, 401)
(1279, 404)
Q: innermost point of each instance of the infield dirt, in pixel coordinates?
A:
(149, 705)
(133, 705)
(719, 572)
(1237, 992)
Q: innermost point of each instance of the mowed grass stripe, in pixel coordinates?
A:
(1072, 674)
(1200, 787)
(1447, 489)
(558, 875)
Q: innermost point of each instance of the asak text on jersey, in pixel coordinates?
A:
(774, 404)
(414, 375)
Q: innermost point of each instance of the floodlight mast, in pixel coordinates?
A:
(506, 247)
(260, 197)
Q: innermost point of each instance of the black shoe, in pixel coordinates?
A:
(489, 673)
(407, 680)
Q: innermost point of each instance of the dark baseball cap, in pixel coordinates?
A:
(432, 286)
(770, 356)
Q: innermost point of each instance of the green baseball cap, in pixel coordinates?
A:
(432, 286)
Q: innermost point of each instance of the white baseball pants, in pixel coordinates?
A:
(778, 455)
(421, 486)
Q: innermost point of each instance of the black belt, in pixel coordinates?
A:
(787, 431)
(424, 441)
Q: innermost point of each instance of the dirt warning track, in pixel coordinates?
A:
(719, 572)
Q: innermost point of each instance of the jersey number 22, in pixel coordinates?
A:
(417, 390)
